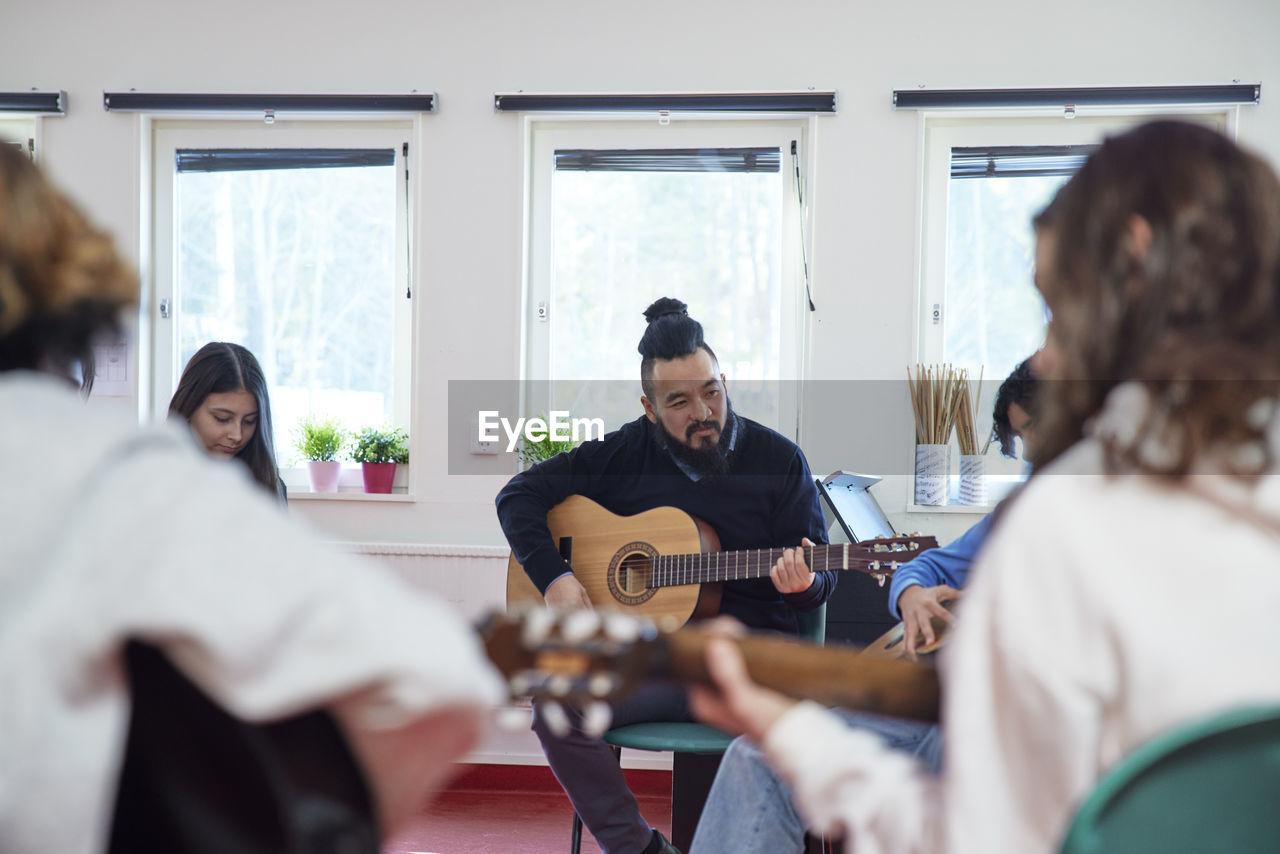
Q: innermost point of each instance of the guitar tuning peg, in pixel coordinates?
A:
(880, 580)
(537, 627)
(621, 628)
(577, 626)
(601, 685)
(554, 716)
(518, 685)
(874, 565)
(559, 685)
(596, 718)
(513, 718)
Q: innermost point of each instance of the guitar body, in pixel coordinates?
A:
(890, 644)
(609, 556)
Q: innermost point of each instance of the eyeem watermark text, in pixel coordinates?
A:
(558, 427)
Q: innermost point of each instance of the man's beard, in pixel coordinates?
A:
(705, 461)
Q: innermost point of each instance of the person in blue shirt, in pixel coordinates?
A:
(692, 451)
(921, 587)
(749, 807)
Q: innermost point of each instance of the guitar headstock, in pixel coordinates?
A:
(883, 555)
(577, 660)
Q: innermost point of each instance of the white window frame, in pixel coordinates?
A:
(544, 134)
(940, 131)
(164, 137)
(20, 127)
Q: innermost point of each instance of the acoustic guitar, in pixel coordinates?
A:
(892, 644)
(666, 564)
(587, 658)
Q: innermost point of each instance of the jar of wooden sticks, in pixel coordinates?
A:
(933, 400)
(973, 461)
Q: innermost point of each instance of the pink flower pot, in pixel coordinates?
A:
(378, 477)
(324, 475)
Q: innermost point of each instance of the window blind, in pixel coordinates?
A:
(669, 160)
(919, 99)
(1018, 161)
(249, 159)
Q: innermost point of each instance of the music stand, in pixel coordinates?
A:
(848, 497)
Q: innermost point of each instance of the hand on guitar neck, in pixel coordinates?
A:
(790, 574)
(736, 703)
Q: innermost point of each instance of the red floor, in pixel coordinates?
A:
(516, 809)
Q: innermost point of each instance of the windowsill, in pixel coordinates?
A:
(975, 509)
(350, 496)
(350, 485)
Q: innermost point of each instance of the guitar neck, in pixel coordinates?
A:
(831, 675)
(531, 650)
(704, 567)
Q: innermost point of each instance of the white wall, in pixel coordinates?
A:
(865, 234)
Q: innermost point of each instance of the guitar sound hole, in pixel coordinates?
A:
(633, 574)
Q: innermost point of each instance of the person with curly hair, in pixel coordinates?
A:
(125, 553)
(1151, 522)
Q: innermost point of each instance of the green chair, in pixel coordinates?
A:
(696, 750)
(1212, 785)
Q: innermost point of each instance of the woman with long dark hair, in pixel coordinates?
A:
(223, 396)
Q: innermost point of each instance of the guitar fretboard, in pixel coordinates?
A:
(673, 570)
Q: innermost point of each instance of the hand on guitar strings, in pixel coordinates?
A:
(791, 574)
(919, 607)
(736, 704)
(566, 593)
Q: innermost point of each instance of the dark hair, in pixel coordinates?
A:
(220, 367)
(1020, 388)
(1196, 304)
(62, 284)
(671, 334)
(1048, 215)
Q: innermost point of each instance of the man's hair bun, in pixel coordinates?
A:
(663, 307)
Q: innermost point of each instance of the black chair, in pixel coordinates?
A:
(197, 779)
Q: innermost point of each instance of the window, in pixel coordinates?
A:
(290, 240)
(984, 179)
(626, 212)
(19, 131)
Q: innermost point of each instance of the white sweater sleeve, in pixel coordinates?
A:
(847, 781)
(1021, 680)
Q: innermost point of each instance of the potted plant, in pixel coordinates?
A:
(318, 439)
(378, 451)
(532, 453)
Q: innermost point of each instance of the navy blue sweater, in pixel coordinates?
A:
(767, 500)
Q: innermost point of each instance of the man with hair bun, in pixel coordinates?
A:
(692, 451)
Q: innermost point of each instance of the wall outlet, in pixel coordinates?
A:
(493, 446)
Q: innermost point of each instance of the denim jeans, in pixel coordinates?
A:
(588, 770)
(749, 808)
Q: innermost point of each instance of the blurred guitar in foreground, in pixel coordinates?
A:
(586, 659)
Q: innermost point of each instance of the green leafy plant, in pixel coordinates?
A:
(319, 438)
(374, 445)
(532, 453)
